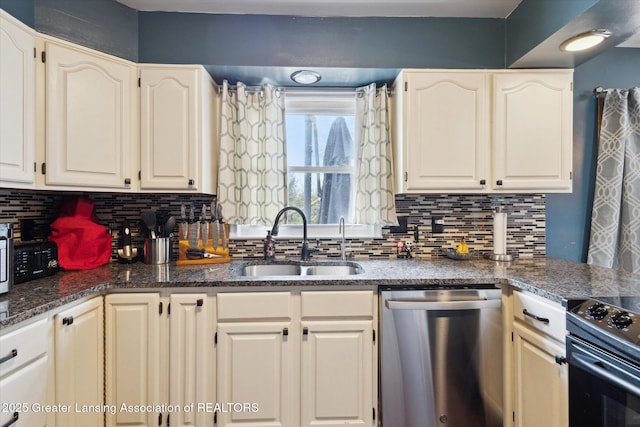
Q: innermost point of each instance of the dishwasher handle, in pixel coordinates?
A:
(443, 305)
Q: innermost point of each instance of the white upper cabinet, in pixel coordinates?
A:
(17, 103)
(89, 118)
(446, 127)
(483, 131)
(177, 129)
(532, 136)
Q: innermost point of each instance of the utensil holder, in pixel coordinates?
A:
(157, 251)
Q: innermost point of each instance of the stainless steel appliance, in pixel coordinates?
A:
(603, 352)
(441, 357)
(6, 257)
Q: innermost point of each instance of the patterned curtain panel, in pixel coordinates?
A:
(615, 223)
(252, 184)
(375, 199)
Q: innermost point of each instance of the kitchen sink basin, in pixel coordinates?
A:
(262, 270)
(332, 270)
(272, 270)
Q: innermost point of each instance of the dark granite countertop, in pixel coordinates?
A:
(556, 279)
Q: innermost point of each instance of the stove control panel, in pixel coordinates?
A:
(611, 318)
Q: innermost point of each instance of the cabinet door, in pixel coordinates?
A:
(447, 131)
(541, 384)
(17, 103)
(21, 390)
(256, 366)
(89, 119)
(132, 357)
(79, 363)
(169, 128)
(337, 373)
(533, 122)
(190, 358)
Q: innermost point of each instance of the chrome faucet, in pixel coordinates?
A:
(343, 245)
(306, 252)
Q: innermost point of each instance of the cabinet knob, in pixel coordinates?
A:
(191, 182)
(67, 320)
(561, 360)
(127, 181)
(199, 302)
(483, 181)
(499, 182)
(285, 331)
(305, 331)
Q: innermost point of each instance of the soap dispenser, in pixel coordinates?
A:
(269, 253)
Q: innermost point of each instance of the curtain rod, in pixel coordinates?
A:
(305, 90)
(599, 91)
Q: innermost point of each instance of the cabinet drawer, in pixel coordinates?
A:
(323, 304)
(551, 317)
(254, 305)
(26, 343)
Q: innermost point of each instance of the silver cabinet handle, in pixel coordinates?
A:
(443, 305)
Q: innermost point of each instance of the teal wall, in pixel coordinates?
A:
(569, 215)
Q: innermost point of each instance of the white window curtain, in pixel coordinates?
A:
(252, 184)
(615, 223)
(374, 198)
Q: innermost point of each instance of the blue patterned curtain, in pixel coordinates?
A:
(252, 184)
(615, 223)
(375, 198)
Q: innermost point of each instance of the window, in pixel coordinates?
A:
(321, 156)
(321, 166)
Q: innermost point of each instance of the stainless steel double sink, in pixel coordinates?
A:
(302, 269)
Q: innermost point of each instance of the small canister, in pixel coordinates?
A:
(157, 251)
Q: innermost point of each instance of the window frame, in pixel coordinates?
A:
(317, 102)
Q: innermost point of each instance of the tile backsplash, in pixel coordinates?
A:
(468, 216)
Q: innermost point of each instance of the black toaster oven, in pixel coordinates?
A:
(34, 260)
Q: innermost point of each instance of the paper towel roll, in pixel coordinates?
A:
(499, 233)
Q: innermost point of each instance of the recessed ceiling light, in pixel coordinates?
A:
(585, 40)
(306, 77)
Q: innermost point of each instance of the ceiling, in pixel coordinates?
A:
(334, 8)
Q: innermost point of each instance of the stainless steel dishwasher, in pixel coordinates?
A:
(441, 357)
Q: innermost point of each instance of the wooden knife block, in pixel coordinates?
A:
(223, 254)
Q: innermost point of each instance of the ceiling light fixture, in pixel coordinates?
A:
(585, 40)
(306, 77)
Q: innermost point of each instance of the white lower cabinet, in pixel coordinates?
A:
(132, 358)
(539, 370)
(159, 359)
(297, 358)
(24, 376)
(79, 364)
(191, 362)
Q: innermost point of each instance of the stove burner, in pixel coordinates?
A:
(598, 311)
(621, 319)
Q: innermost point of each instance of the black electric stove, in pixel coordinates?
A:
(609, 322)
(603, 351)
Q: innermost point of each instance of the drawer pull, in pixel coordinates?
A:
(67, 320)
(13, 420)
(561, 360)
(14, 353)
(534, 317)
